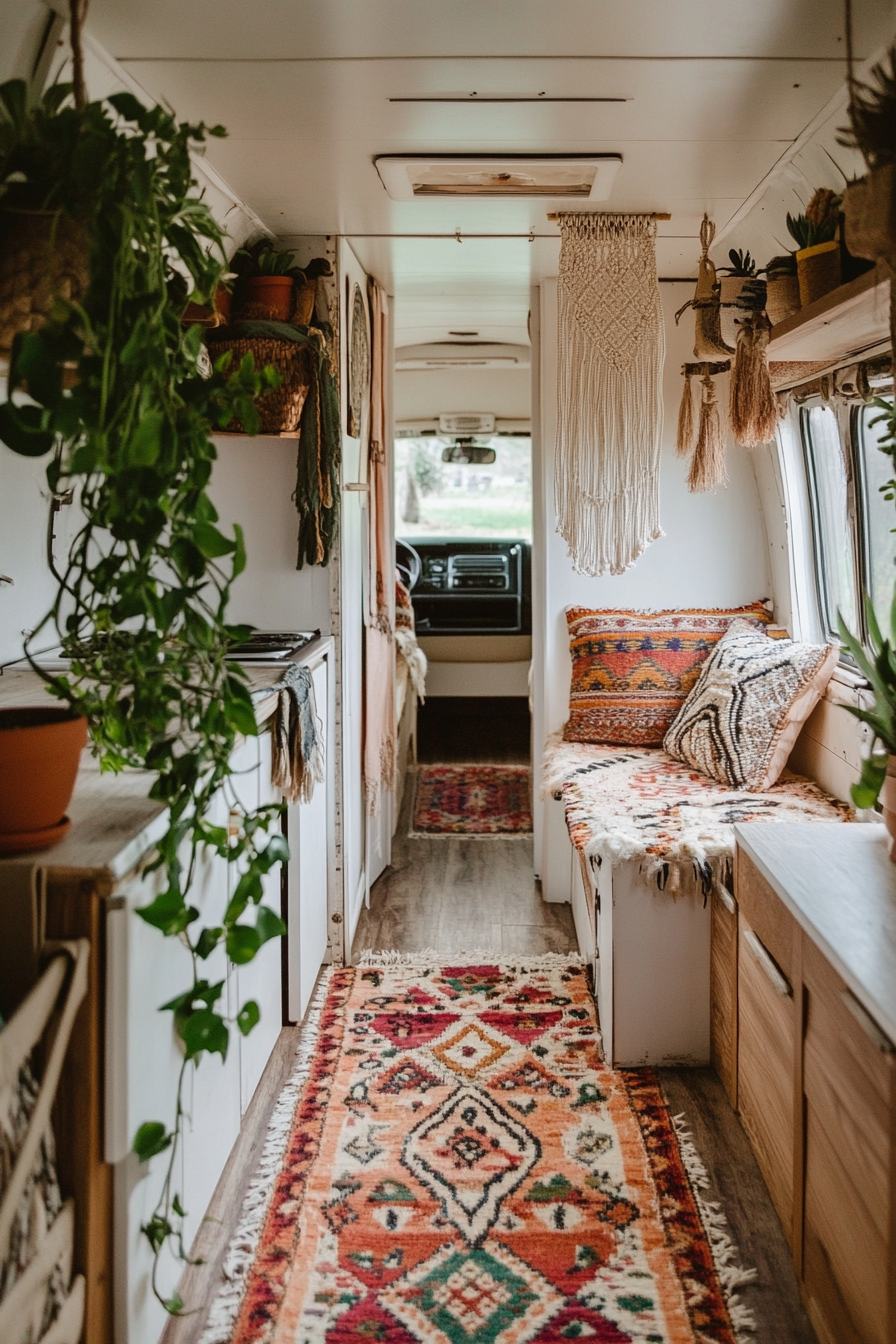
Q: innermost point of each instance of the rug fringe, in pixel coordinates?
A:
(244, 1242)
(725, 1254)
(472, 957)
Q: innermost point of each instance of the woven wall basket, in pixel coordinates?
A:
(281, 410)
(818, 268)
(42, 254)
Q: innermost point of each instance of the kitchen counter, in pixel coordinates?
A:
(114, 822)
(839, 884)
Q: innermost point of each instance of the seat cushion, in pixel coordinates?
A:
(753, 694)
(633, 670)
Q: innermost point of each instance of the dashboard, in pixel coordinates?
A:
(471, 587)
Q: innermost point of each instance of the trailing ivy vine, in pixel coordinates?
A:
(141, 608)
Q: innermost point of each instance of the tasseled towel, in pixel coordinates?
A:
(610, 404)
(753, 409)
(297, 757)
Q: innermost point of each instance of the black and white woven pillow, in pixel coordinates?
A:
(739, 723)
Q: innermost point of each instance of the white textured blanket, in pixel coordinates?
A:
(637, 803)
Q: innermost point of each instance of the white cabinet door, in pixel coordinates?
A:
(308, 873)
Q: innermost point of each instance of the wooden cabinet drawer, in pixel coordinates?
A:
(766, 914)
(766, 1066)
(848, 1085)
(723, 991)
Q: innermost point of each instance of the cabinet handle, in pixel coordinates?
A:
(781, 984)
(725, 897)
(867, 1023)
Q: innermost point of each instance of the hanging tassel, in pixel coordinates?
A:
(753, 410)
(684, 441)
(708, 463)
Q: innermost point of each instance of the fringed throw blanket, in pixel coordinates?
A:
(610, 411)
(637, 803)
(297, 756)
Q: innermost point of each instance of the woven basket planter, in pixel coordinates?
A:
(782, 298)
(280, 410)
(869, 209)
(818, 269)
(43, 254)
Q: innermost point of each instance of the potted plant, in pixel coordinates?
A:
(818, 255)
(869, 205)
(739, 291)
(878, 664)
(141, 608)
(40, 751)
(782, 288)
(265, 287)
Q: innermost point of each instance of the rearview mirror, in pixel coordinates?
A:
(468, 455)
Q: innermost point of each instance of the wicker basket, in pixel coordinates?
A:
(818, 269)
(280, 410)
(43, 254)
(782, 298)
(869, 208)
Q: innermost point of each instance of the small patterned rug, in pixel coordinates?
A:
(472, 800)
(454, 1164)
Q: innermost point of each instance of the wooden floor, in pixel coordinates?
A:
(456, 894)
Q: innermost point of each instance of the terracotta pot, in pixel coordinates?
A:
(888, 805)
(869, 214)
(267, 298)
(818, 269)
(782, 298)
(40, 750)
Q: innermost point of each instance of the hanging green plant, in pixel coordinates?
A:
(141, 607)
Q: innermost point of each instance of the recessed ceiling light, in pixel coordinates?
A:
(544, 177)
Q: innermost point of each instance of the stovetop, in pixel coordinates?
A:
(271, 646)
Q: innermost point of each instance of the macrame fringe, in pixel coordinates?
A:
(753, 410)
(244, 1243)
(610, 406)
(472, 957)
(725, 1254)
(684, 441)
(708, 463)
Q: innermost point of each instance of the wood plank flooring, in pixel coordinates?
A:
(459, 894)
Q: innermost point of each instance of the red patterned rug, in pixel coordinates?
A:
(454, 1164)
(479, 800)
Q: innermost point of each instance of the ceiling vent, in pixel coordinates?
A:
(543, 177)
(462, 355)
(466, 422)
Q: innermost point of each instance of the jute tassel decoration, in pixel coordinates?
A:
(684, 440)
(708, 463)
(753, 410)
(610, 405)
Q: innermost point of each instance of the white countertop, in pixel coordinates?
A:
(114, 823)
(839, 884)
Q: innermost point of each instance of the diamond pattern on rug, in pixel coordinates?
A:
(521, 1193)
(471, 1154)
(472, 800)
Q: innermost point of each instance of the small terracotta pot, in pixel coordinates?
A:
(267, 298)
(40, 750)
(888, 805)
(818, 269)
(782, 298)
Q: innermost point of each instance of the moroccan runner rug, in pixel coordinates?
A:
(472, 800)
(453, 1164)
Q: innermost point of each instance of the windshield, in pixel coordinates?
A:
(439, 499)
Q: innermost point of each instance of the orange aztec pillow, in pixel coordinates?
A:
(633, 670)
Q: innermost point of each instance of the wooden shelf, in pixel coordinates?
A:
(848, 321)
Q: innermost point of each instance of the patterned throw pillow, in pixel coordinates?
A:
(753, 695)
(633, 670)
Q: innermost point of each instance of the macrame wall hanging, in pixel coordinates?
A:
(610, 406)
(752, 409)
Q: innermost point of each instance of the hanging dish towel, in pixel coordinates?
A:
(297, 753)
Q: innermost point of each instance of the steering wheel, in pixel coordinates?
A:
(408, 563)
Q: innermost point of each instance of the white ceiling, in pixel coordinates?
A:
(718, 92)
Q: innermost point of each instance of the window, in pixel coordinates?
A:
(829, 491)
(438, 499)
(879, 514)
(852, 523)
